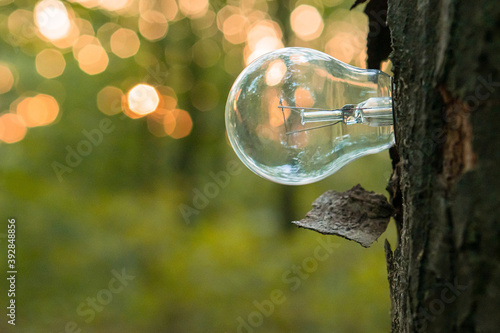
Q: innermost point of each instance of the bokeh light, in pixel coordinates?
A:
(177, 123)
(235, 28)
(109, 100)
(114, 5)
(50, 63)
(84, 26)
(93, 59)
(193, 8)
(156, 120)
(21, 28)
(306, 22)
(83, 41)
(12, 128)
(345, 47)
(167, 119)
(51, 18)
(7, 79)
(125, 43)
(346, 37)
(263, 37)
(303, 98)
(143, 99)
(276, 72)
(104, 34)
(153, 25)
(169, 9)
(68, 40)
(39, 110)
(167, 65)
(249, 30)
(168, 98)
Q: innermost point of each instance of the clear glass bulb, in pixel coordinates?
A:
(296, 115)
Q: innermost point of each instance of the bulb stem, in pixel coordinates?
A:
(375, 111)
(314, 116)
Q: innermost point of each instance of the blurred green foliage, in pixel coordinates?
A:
(119, 208)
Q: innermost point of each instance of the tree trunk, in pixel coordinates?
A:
(445, 272)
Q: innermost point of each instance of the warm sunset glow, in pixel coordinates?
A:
(106, 31)
(6, 79)
(51, 18)
(125, 43)
(193, 8)
(12, 128)
(143, 99)
(276, 72)
(38, 111)
(50, 63)
(153, 25)
(109, 100)
(306, 22)
(92, 59)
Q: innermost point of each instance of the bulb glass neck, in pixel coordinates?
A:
(375, 111)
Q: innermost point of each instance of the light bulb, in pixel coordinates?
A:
(296, 115)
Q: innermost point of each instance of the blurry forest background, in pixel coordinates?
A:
(99, 176)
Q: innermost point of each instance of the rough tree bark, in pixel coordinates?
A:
(444, 274)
